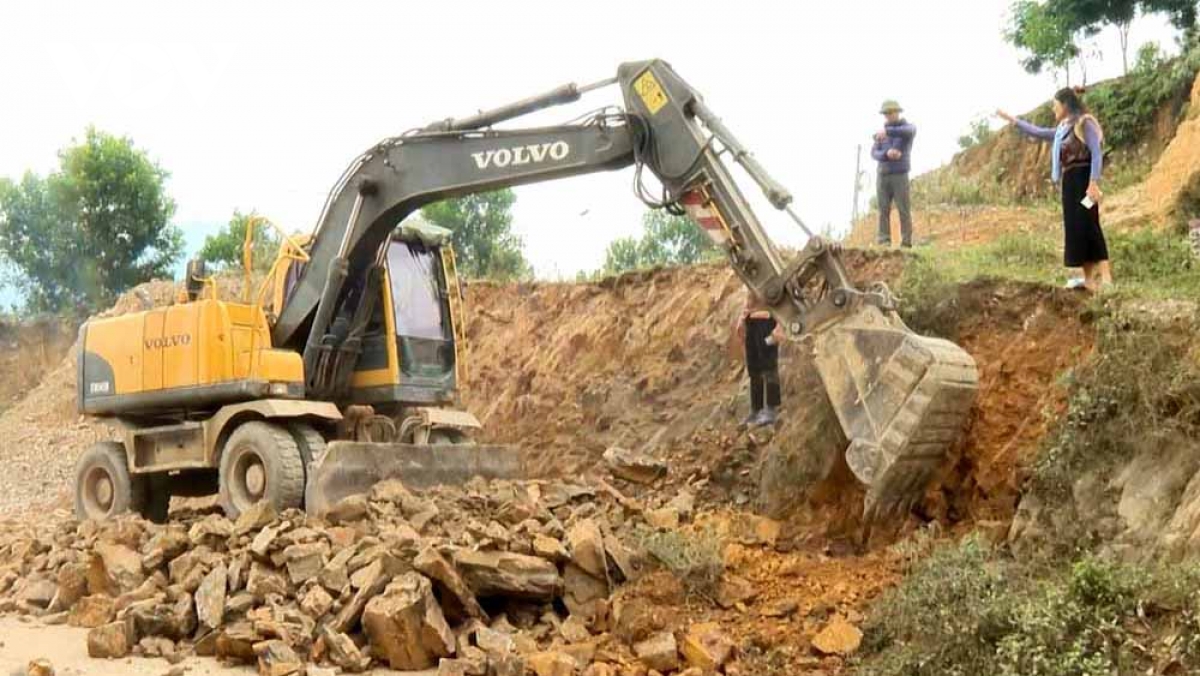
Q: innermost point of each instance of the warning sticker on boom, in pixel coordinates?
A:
(651, 92)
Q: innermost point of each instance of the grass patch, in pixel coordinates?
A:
(1140, 387)
(696, 556)
(967, 610)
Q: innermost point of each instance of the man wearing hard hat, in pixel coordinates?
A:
(893, 144)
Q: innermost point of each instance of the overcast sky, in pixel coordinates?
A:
(262, 105)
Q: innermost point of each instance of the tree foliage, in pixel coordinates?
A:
(224, 249)
(97, 226)
(484, 243)
(1049, 30)
(666, 239)
(1044, 33)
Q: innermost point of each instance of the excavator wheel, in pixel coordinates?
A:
(310, 442)
(261, 461)
(103, 485)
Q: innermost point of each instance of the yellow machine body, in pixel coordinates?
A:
(190, 356)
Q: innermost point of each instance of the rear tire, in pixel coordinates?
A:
(103, 486)
(261, 461)
(310, 442)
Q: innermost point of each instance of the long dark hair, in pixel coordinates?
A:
(1072, 100)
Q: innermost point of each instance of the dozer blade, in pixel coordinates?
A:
(352, 468)
(902, 399)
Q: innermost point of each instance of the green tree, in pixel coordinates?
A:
(1045, 34)
(484, 243)
(97, 226)
(224, 249)
(1041, 27)
(666, 239)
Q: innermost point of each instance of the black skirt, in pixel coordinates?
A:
(1081, 226)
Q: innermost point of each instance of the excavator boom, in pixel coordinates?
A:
(902, 399)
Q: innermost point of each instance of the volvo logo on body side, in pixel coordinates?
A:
(178, 340)
(518, 155)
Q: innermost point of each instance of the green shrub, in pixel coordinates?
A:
(1126, 107)
(696, 556)
(966, 610)
(1141, 385)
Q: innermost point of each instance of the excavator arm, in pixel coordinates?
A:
(902, 399)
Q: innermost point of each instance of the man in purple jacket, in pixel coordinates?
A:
(892, 146)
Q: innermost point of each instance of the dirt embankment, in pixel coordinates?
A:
(647, 361)
(28, 351)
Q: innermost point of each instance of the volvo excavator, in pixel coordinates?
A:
(345, 371)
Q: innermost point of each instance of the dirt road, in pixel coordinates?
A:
(66, 648)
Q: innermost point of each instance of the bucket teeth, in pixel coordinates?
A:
(902, 399)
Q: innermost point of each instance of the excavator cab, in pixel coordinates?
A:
(410, 351)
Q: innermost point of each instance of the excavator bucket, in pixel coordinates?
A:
(349, 468)
(903, 400)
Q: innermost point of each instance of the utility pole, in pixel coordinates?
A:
(857, 184)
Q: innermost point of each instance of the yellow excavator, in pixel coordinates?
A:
(345, 369)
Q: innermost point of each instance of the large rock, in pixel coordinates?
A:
(839, 637)
(111, 640)
(120, 566)
(406, 626)
(462, 602)
(210, 598)
(305, 561)
(39, 593)
(550, 548)
(659, 652)
(211, 530)
(39, 667)
(587, 548)
(163, 546)
(344, 652)
(259, 516)
(551, 664)
(92, 611)
(276, 658)
(72, 586)
(176, 620)
(264, 581)
(507, 574)
(236, 642)
(375, 583)
(263, 542)
(706, 647)
(316, 602)
(582, 591)
(635, 467)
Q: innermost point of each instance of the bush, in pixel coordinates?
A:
(1127, 107)
(1141, 385)
(979, 132)
(966, 610)
(696, 556)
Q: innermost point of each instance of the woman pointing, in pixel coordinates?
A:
(1076, 163)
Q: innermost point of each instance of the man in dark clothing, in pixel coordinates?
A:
(762, 336)
(893, 144)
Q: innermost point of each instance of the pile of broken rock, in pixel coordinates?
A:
(492, 578)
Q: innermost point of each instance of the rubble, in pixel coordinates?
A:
(839, 637)
(111, 640)
(635, 467)
(500, 578)
(405, 624)
(706, 648)
(659, 652)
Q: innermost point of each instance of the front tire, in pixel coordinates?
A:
(261, 461)
(103, 486)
